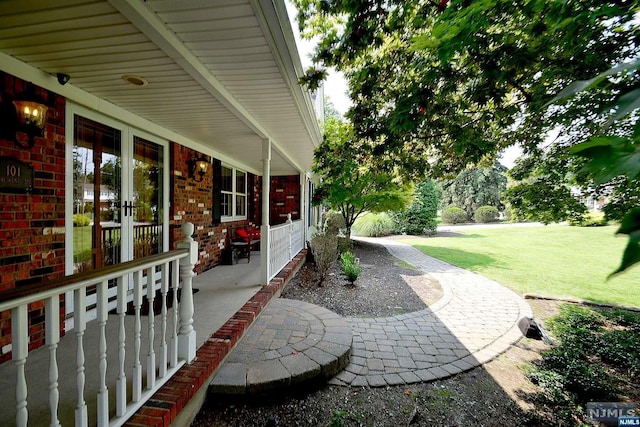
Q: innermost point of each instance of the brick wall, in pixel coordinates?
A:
(32, 225)
(284, 196)
(192, 201)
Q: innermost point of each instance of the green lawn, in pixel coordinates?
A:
(552, 260)
(82, 243)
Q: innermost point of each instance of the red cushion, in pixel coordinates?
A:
(242, 233)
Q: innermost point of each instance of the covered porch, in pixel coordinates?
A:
(159, 113)
(67, 380)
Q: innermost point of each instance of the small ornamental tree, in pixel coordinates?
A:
(351, 182)
(531, 201)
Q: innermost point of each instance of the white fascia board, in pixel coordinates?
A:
(274, 20)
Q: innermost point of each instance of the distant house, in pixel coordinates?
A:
(105, 195)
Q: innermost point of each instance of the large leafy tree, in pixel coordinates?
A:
(438, 85)
(351, 182)
(475, 187)
(457, 81)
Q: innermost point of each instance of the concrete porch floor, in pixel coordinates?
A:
(222, 291)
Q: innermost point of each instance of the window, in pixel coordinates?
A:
(241, 194)
(233, 200)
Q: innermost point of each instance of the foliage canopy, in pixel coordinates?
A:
(457, 81)
(454, 82)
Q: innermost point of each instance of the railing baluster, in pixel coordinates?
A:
(174, 335)
(79, 326)
(151, 354)
(137, 336)
(289, 234)
(121, 382)
(164, 289)
(52, 338)
(19, 353)
(130, 283)
(103, 392)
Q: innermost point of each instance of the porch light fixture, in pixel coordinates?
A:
(27, 115)
(199, 168)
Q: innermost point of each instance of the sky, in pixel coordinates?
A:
(335, 87)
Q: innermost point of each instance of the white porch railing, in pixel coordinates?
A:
(285, 241)
(176, 337)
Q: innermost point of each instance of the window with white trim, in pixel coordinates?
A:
(233, 203)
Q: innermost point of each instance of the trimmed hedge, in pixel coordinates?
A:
(486, 214)
(454, 215)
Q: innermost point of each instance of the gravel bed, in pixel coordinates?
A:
(383, 289)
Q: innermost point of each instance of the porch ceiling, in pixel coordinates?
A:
(221, 73)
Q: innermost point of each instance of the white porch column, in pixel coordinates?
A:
(186, 334)
(264, 229)
(304, 202)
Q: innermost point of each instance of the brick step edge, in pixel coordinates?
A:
(167, 403)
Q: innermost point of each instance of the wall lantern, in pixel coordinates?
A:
(27, 114)
(199, 168)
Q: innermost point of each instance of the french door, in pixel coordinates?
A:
(117, 192)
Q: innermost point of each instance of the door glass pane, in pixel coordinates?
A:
(147, 198)
(241, 189)
(96, 195)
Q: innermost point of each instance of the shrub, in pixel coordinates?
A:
(486, 214)
(325, 252)
(508, 214)
(454, 215)
(421, 216)
(350, 266)
(344, 245)
(596, 348)
(80, 220)
(591, 219)
(373, 225)
(333, 222)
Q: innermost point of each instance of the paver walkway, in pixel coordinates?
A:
(474, 321)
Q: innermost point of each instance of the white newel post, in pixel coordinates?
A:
(186, 334)
(290, 223)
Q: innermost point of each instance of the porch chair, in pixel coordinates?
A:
(244, 239)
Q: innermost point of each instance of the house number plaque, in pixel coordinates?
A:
(15, 176)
